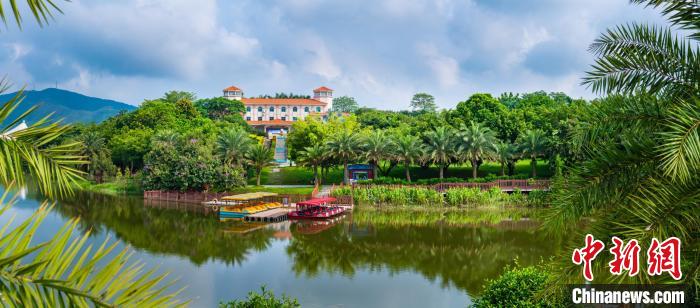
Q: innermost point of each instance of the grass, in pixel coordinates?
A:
(304, 176)
(401, 216)
(279, 190)
(117, 187)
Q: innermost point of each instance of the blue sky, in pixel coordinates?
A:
(381, 52)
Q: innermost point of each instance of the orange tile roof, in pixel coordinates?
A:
(324, 89)
(282, 101)
(232, 88)
(272, 122)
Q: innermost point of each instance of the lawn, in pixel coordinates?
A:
(300, 175)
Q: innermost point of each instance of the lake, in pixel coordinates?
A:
(364, 259)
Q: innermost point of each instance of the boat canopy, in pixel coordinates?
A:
(316, 201)
(248, 196)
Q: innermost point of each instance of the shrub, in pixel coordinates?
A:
(517, 287)
(265, 300)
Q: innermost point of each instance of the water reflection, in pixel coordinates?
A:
(437, 255)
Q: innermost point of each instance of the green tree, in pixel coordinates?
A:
(344, 146)
(218, 108)
(314, 156)
(344, 104)
(377, 147)
(423, 102)
(640, 146)
(264, 299)
(174, 96)
(260, 156)
(483, 108)
(441, 147)
(505, 152)
(93, 147)
(533, 145)
(408, 150)
(232, 146)
(477, 144)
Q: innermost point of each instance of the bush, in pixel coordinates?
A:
(265, 300)
(516, 288)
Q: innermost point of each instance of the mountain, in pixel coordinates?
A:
(70, 106)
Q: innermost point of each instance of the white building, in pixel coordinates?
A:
(280, 113)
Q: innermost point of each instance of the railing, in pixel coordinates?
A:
(199, 196)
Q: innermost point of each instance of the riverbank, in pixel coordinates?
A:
(403, 216)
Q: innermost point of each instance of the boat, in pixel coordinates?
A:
(316, 208)
(242, 205)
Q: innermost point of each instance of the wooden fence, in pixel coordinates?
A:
(198, 196)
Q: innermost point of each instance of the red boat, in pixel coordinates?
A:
(316, 208)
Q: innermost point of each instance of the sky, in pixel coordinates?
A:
(379, 51)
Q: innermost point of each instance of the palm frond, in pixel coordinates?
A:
(64, 272)
(683, 13)
(42, 10)
(33, 150)
(680, 147)
(641, 58)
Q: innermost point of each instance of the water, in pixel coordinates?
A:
(360, 260)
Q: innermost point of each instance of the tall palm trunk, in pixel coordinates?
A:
(258, 177)
(533, 165)
(375, 169)
(316, 180)
(408, 171)
(503, 168)
(475, 168)
(442, 171)
(346, 175)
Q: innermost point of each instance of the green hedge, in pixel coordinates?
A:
(517, 287)
(265, 299)
(486, 179)
(463, 197)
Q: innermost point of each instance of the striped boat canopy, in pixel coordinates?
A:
(249, 196)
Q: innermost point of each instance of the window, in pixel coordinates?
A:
(259, 118)
(272, 109)
(306, 109)
(284, 118)
(272, 118)
(247, 118)
(284, 109)
(247, 109)
(294, 109)
(259, 109)
(318, 109)
(294, 118)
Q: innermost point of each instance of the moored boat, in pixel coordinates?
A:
(316, 208)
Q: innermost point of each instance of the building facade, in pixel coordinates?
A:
(277, 114)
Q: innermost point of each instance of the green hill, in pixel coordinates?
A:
(71, 106)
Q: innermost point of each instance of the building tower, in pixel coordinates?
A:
(233, 92)
(325, 95)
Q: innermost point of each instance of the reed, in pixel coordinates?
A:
(417, 196)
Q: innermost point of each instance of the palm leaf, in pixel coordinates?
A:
(40, 9)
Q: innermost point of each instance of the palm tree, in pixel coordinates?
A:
(60, 271)
(505, 153)
(639, 176)
(377, 147)
(533, 144)
(441, 147)
(345, 147)
(91, 146)
(477, 144)
(314, 157)
(260, 156)
(232, 145)
(408, 149)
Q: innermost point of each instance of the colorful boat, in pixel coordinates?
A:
(242, 205)
(316, 208)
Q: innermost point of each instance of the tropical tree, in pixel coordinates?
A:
(441, 147)
(94, 148)
(260, 156)
(232, 146)
(377, 147)
(533, 144)
(423, 102)
(61, 271)
(344, 104)
(639, 177)
(477, 144)
(505, 153)
(409, 149)
(344, 146)
(314, 157)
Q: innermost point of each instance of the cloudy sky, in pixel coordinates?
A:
(379, 51)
